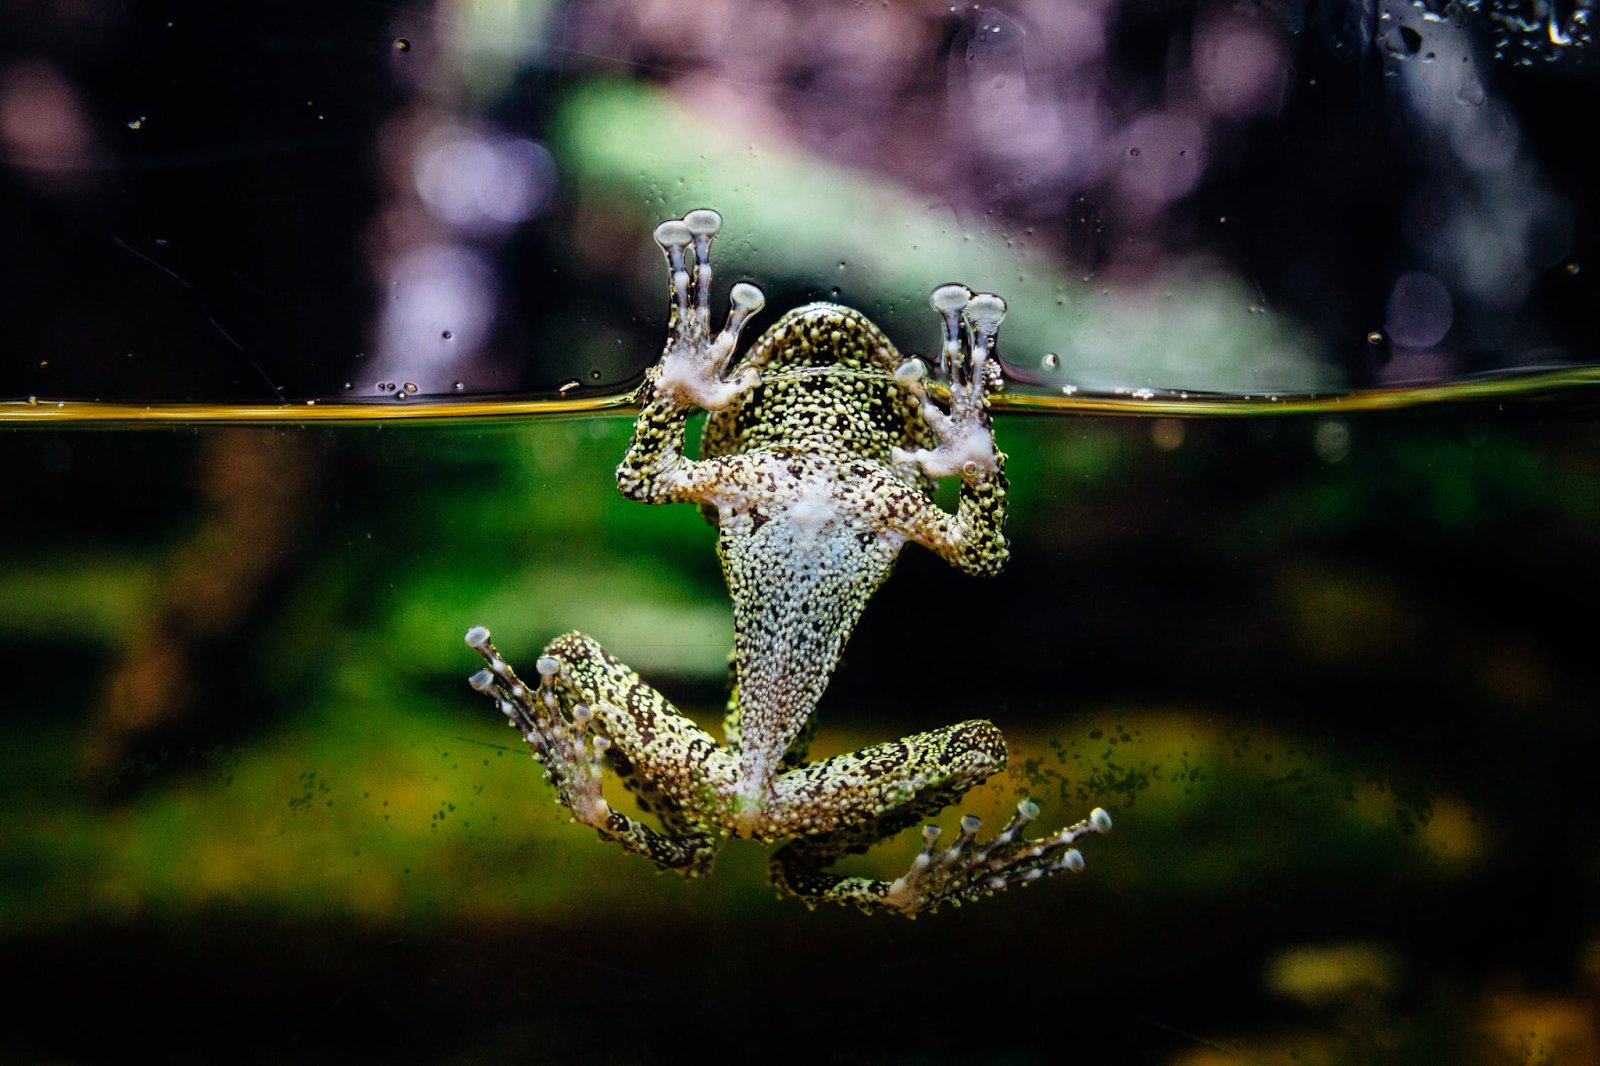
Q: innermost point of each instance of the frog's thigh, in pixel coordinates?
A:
(670, 753)
(868, 788)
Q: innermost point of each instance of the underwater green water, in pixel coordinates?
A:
(1330, 674)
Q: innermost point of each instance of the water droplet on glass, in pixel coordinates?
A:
(1573, 269)
(459, 386)
(1404, 43)
(44, 364)
(1376, 337)
(411, 386)
(1050, 361)
(1471, 93)
(349, 384)
(402, 44)
(137, 123)
(401, 395)
(446, 334)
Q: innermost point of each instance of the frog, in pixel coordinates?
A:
(817, 459)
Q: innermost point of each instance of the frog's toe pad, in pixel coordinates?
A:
(968, 869)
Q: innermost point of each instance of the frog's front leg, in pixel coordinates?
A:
(588, 711)
(973, 538)
(846, 804)
(692, 371)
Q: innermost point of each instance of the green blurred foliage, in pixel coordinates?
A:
(1327, 699)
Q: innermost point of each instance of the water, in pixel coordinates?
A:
(321, 331)
(1335, 694)
(1564, 384)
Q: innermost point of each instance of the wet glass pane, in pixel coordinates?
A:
(1296, 388)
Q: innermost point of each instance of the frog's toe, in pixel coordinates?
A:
(703, 222)
(968, 869)
(561, 743)
(691, 288)
(695, 363)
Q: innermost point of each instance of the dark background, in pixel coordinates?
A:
(1331, 674)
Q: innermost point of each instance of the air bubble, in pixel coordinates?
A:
(447, 335)
(458, 386)
(1331, 440)
(1167, 434)
(411, 386)
(1049, 361)
(402, 44)
(1376, 337)
(1134, 152)
(1573, 269)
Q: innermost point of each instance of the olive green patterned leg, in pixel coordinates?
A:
(585, 712)
(879, 791)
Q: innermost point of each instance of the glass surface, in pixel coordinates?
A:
(1327, 660)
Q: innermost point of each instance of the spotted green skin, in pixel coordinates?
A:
(799, 474)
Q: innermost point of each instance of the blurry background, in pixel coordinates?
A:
(1333, 675)
(402, 200)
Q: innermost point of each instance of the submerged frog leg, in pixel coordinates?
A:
(846, 804)
(587, 711)
(690, 374)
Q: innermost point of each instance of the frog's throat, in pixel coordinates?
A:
(797, 593)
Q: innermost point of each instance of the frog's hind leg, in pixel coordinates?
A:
(588, 711)
(872, 794)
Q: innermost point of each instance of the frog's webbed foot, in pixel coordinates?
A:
(966, 445)
(561, 743)
(694, 362)
(967, 869)
(570, 740)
